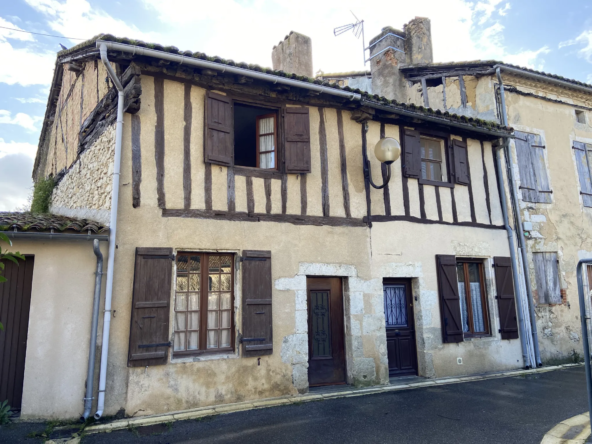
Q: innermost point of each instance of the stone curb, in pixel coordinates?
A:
(575, 430)
(309, 397)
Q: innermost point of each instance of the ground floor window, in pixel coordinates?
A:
(203, 307)
(473, 301)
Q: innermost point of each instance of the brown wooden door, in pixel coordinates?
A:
(400, 328)
(15, 301)
(326, 343)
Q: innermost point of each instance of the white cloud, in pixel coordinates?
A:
(585, 38)
(486, 9)
(15, 181)
(28, 66)
(504, 11)
(30, 100)
(12, 147)
(9, 34)
(21, 119)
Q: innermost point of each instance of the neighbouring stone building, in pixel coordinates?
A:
(255, 252)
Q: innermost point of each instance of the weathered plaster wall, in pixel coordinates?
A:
(85, 191)
(59, 327)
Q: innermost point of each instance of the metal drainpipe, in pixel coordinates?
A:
(584, 320)
(518, 223)
(112, 234)
(500, 181)
(93, 332)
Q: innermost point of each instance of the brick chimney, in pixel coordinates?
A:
(293, 54)
(418, 43)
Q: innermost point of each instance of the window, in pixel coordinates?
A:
(255, 137)
(580, 116)
(203, 303)
(547, 278)
(248, 135)
(583, 153)
(433, 159)
(473, 303)
(534, 182)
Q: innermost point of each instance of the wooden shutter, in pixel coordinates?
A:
(461, 162)
(583, 173)
(297, 147)
(449, 299)
(257, 334)
(506, 302)
(411, 154)
(547, 278)
(537, 154)
(534, 181)
(149, 328)
(219, 144)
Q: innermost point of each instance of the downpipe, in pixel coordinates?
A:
(520, 231)
(500, 181)
(93, 333)
(584, 321)
(112, 234)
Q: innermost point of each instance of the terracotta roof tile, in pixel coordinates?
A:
(10, 221)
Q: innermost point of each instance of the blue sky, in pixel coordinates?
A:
(534, 33)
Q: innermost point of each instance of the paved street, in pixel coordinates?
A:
(507, 410)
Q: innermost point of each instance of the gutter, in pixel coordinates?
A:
(543, 78)
(56, 236)
(584, 320)
(113, 233)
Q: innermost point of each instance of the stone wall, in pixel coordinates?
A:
(85, 190)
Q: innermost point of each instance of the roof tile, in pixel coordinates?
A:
(25, 221)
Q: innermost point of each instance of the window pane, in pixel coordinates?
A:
(224, 338)
(193, 301)
(180, 321)
(214, 264)
(431, 149)
(193, 341)
(213, 319)
(214, 282)
(212, 338)
(476, 301)
(224, 301)
(213, 301)
(194, 282)
(225, 315)
(225, 284)
(460, 273)
(182, 263)
(194, 263)
(181, 283)
(193, 320)
(395, 306)
(226, 264)
(431, 171)
(179, 341)
(267, 160)
(181, 302)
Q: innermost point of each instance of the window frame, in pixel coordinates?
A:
(445, 137)
(203, 311)
(484, 300)
(275, 138)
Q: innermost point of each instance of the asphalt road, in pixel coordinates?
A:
(508, 410)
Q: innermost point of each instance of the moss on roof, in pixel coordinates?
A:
(25, 221)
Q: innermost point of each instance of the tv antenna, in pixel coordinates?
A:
(358, 30)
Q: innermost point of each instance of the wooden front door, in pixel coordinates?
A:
(326, 342)
(400, 328)
(15, 301)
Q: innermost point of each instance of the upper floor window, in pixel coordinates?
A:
(265, 137)
(534, 181)
(433, 159)
(580, 116)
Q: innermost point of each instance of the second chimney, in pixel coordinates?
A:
(418, 41)
(293, 54)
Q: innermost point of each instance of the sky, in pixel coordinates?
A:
(533, 33)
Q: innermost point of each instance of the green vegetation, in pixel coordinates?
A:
(4, 413)
(42, 195)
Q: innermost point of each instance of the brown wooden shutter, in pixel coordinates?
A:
(449, 299)
(149, 328)
(583, 173)
(257, 334)
(411, 154)
(219, 143)
(461, 162)
(297, 147)
(506, 302)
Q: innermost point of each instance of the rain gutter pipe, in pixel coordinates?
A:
(113, 232)
(584, 320)
(520, 231)
(541, 78)
(88, 398)
(55, 236)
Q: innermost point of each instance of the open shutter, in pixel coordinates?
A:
(537, 154)
(583, 173)
(547, 278)
(411, 154)
(461, 162)
(506, 302)
(149, 328)
(527, 175)
(219, 146)
(449, 299)
(257, 334)
(297, 147)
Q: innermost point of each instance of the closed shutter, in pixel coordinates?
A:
(257, 334)
(506, 302)
(583, 173)
(297, 147)
(219, 145)
(411, 154)
(547, 278)
(461, 162)
(534, 181)
(449, 299)
(149, 328)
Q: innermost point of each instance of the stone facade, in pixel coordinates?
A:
(85, 190)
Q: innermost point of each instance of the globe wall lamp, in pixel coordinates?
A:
(387, 151)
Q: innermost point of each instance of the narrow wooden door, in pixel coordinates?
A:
(15, 301)
(400, 328)
(326, 342)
